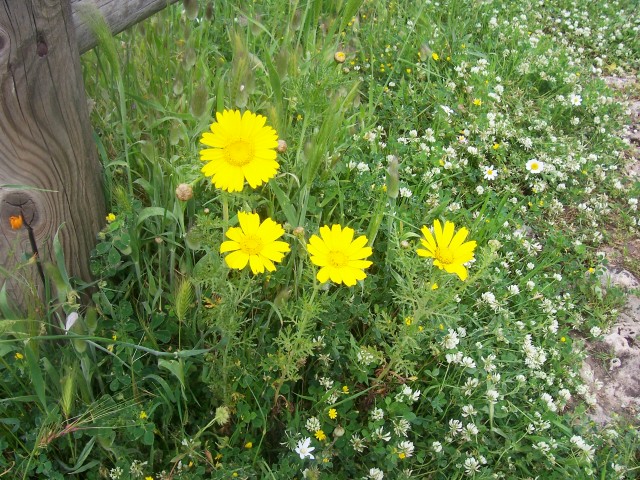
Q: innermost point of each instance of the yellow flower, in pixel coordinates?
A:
(345, 389)
(242, 147)
(563, 339)
(143, 415)
(248, 445)
(111, 218)
(320, 435)
(408, 321)
(148, 477)
(434, 286)
(333, 413)
(449, 252)
(495, 146)
(477, 102)
(339, 57)
(340, 257)
(18, 356)
(402, 455)
(435, 56)
(254, 243)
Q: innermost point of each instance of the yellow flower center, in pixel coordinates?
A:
(251, 245)
(444, 255)
(337, 259)
(239, 153)
(534, 166)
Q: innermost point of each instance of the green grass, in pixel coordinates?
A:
(184, 368)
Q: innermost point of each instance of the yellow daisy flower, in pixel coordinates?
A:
(254, 243)
(449, 252)
(242, 147)
(340, 257)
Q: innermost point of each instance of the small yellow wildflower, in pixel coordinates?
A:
(420, 328)
(408, 321)
(434, 286)
(320, 435)
(345, 389)
(148, 477)
(477, 102)
(248, 445)
(441, 327)
(340, 57)
(496, 146)
(591, 270)
(408, 70)
(563, 339)
(435, 56)
(114, 337)
(333, 413)
(143, 415)
(18, 356)
(111, 218)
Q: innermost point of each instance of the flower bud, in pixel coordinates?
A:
(184, 192)
(339, 57)
(338, 431)
(393, 177)
(282, 146)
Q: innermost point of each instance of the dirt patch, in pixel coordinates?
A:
(612, 367)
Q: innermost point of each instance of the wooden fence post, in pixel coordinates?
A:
(45, 135)
(45, 143)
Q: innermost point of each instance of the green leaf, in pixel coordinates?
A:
(37, 381)
(285, 204)
(155, 212)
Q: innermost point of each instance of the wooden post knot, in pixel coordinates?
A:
(18, 205)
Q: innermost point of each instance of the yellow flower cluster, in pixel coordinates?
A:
(242, 147)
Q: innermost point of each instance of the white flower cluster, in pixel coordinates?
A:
(534, 356)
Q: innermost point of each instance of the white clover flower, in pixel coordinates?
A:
(406, 192)
(479, 189)
(492, 396)
(470, 430)
(469, 411)
(381, 434)
(375, 474)
(454, 358)
(470, 385)
(437, 447)
(313, 424)
(406, 447)
(304, 449)
(595, 332)
(548, 399)
(401, 427)
(471, 466)
(455, 427)
(357, 443)
(468, 362)
(513, 289)
(450, 340)
(362, 167)
(377, 414)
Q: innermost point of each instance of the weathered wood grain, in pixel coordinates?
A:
(45, 140)
(119, 15)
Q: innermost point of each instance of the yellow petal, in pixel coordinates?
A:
(237, 260)
(429, 241)
(229, 246)
(249, 222)
(447, 234)
(459, 238)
